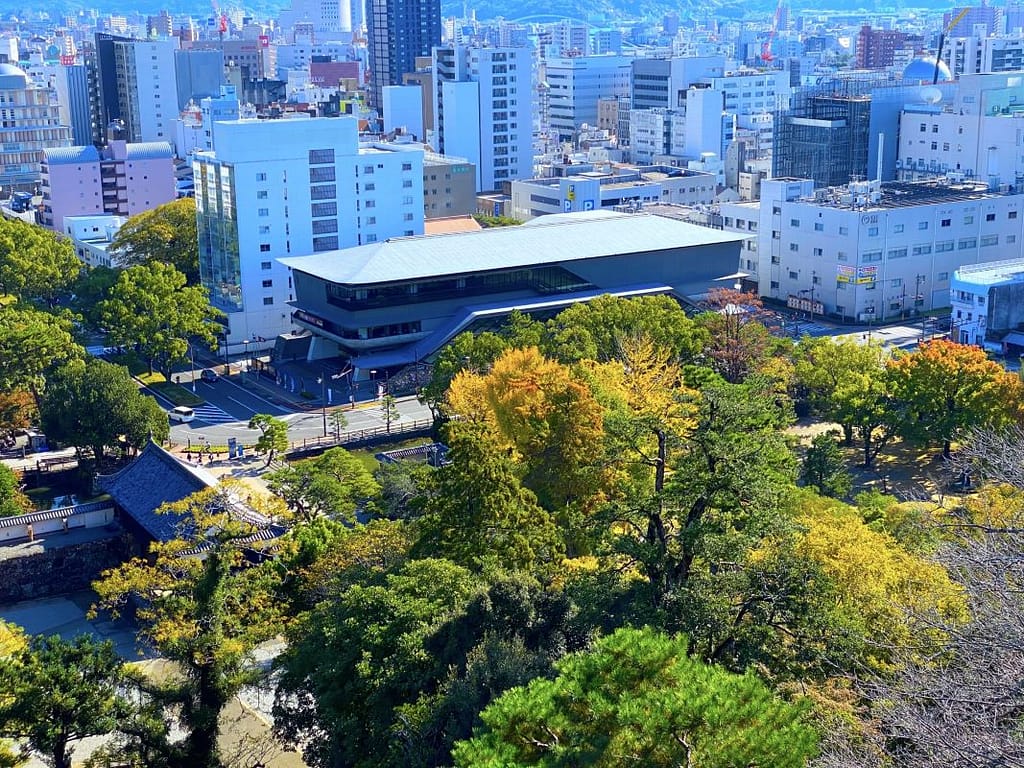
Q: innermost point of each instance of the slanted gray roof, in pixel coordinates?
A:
(566, 237)
(71, 155)
(148, 150)
(155, 478)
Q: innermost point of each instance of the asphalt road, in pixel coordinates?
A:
(300, 425)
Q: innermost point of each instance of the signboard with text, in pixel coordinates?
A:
(804, 304)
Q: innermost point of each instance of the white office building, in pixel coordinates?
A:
(483, 110)
(872, 251)
(698, 127)
(970, 55)
(576, 84)
(611, 187)
(276, 188)
(147, 88)
(987, 305)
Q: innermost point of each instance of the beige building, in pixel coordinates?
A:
(449, 186)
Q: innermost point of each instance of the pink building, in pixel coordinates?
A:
(328, 74)
(122, 179)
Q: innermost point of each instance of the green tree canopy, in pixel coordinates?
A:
(31, 344)
(824, 466)
(640, 698)
(205, 614)
(12, 500)
(35, 263)
(96, 404)
(151, 306)
(273, 437)
(335, 484)
(166, 234)
(54, 692)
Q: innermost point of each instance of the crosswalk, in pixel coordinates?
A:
(211, 414)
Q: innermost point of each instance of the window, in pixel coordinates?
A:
(946, 222)
(367, 170)
(323, 192)
(406, 217)
(775, 285)
(935, 128)
(922, 225)
(776, 209)
(841, 256)
(990, 217)
(897, 229)
(268, 301)
(317, 175)
(263, 212)
(794, 247)
(924, 127)
(371, 220)
(869, 256)
(370, 203)
(409, 233)
(268, 283)
(935, 145)
(793, 275)
(968, 242)
(407, 200)
(407, 184)
(968, 219)
(1011, 239)
(921, 250)
(261, 194)
(794, 222)
(1012, 215)
(328, 243)
(896, 283)
(261, 177)
(264, 247)
(370, 186)
(325, 226)
(406, 166)
(371, 238)
(872, 231)
(943, 247)
(819, 252)
(264, 229)
(819, 227)
(945, 146)
(324, 209)
(321, 156)
(897, 253)
(815, 280)
(844, 230)
(989, 240)
(266, 264)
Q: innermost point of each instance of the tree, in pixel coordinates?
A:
(738, 340)
(339, 421)
(945, 387)
(864, 401)
(206, 614)
(478, 514)
(151, 308)
(166, 234)
(467, 351)
(824, 467)
(273, 435)
(12, 500)
(336, 484)
(35, 263)
(96, 405)
(91, 288)
(593, 330)
(389, 410)
(56, 692)
(31, 344)
(17, 410)
(640, 698)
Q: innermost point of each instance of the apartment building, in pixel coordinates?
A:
(277, 188)
(29, 124)
(871, 251)
(576, 85)
(147, 88)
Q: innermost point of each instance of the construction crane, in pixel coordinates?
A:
(766, 47)
(942, 40)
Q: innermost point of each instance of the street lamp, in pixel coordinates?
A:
(373, 383)
(192, 362)
(323, 398)
(245, 354)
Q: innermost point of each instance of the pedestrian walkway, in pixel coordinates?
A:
(211, 414)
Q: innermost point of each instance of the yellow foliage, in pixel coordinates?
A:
(875, 578)
(12, 639)
(997, 506)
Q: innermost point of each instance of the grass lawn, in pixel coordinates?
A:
(156, 381)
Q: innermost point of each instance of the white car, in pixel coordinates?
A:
(181, 414)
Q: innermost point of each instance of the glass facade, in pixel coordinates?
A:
(219, 264)
(543, 281)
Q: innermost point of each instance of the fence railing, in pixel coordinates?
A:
(360, 435)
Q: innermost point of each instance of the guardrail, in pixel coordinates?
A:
(360, 435)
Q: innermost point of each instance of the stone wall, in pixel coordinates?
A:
(62, 569)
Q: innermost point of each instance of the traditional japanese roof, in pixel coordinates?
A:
(155, 478)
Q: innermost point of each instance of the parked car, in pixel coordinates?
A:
(208, 375)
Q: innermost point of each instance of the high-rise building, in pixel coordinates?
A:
(73, 92)
(31, 123)
(484, 110)
(108, 104)
(330, 19)
(276, 188)
(397, 32)
(198, 74)
(876, 48)
(576, 84)
(146, 88)
(663, 82)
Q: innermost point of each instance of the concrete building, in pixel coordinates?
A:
(147, 89)
(122, 179)
(403, 110)
(872, 251)
(449, 186)
(664, 82)
(397, 32)
(980, 20)
(577, 84)
(29, 123)
(423, 77)
(974, 55)
(198, 74)
(276, 188)
(698, 127)
(610, 187)
(483, 110)
(91, 237)
(987, 305)
(876, 48)
(396, 302)
(329, 19)
(73, 85)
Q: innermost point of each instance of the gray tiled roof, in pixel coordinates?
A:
(71, 155)
(153, 479)
(548, 239)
